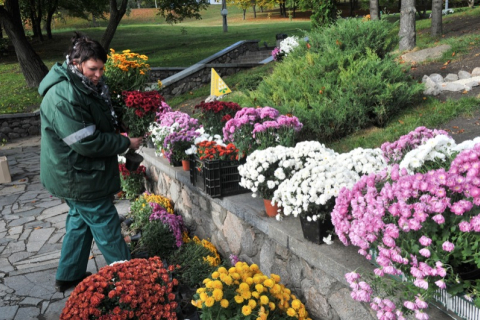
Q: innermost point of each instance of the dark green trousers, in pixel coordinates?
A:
(86, 221)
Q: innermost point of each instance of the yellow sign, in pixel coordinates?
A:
(218, 86)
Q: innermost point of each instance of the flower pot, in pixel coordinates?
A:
(315, 231)
(271, 210)
(150, 143)
(174, 163)
(133, 161)
(186, 165)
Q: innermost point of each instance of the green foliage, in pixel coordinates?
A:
(344, 82)
(175, 11)
(324, 13)
(157, 239)
(194, 268)
(140, 210)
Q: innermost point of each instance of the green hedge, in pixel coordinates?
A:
(343, 81)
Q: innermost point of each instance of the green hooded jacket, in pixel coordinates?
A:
(79, 146)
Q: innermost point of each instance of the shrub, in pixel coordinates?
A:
(344, 82)
(157, 239)
(132, 182)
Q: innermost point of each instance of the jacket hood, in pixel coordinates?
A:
(57, 74)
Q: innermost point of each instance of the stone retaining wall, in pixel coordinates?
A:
(20, 125)
(238, 225)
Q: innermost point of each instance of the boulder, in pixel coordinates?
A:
(451, 77)
(437, 78)
(476, 72)
(462, 74)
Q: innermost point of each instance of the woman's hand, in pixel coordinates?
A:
(135, 143)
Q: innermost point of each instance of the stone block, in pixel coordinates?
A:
(174, 191)
(350, 310)
(437, 78)
(187, 201)
(451, 77)
(38, 238)
(476, 72)
(218, 218)
(233, 230)
(462, 74)
(316, 303)
(249, 247)
(8, 312)
(267, 255)
(453, 86)
(429, 53)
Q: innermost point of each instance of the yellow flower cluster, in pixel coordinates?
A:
(127, 61)
(161, 200)
(212, 260)
(246, 289)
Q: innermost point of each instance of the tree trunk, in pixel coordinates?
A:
(407, 31)
(436, 18)
(139, 4)
(116, 16)
(352, 7)
(254, 11)
(244, 11)
(224, 17)
(32, 66)
(51, 11)
(156, 6)
(471, 3)
(374, 11)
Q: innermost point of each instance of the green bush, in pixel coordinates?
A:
(344, 82)
(157, 239)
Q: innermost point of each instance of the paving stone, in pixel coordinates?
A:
(8, 312)
(27, 313)
(29, 212)
(15, 230)
(38, 224)
(54, 211)
(56, 219)
(12, 190)
(56, 237)
(20, 222)
(50, 247)
(55, 255)
(4, 288)
(38, 238)
(9, 199)
(29, 195)
(29, 268)
(13, 247)
(5, 265)
(6, 240)
(48, 203)
(54, 309)
(3, 225)
(25, 234)
(35, 187)
(29, 301)
(18, 256)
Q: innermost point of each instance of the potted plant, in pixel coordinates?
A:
(214, 115)
(139, 110)
(132, 182)
(310, 192)
(253, 296)
(419, 226)
(134, 289)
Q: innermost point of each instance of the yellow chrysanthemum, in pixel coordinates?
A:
(275, 289)
(302, 312)
(246, 310)
(203, 296)
(224, 303)
(249, 280)
(217, 294)
(296, 304)
(252, 303)
(111, 50)
(268, 283)
(275, 277)
(244, 287)
(239, 299)
(246, 294)
(271, 305)
(200, 290)
(259, 287)
(291, 312)
(217, 284)
(126, 51)
(257, 279)
(232, 270)
(264, 300)
(215, 275)
(209, 284)
(222, 270)
(255, 294)
(209, 302)
(254, 267)
(235, 276)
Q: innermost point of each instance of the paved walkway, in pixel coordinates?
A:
(32, 226)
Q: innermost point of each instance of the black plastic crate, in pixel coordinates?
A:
(218, 178)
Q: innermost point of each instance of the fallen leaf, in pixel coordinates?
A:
(444, 67)
(91, 257)
(461, 131)
(36, 228)
(320, 91)
(401, 122)
(478, 54)
(447, 63)
(453, 54)
(455, 127)
(464, 91)
(413, 68)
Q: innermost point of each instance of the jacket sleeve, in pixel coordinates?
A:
(76, 127)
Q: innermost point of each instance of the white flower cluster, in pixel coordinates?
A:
(434, 149)
(158, 134)
(308, 175)
(204, 137)
(288, 44)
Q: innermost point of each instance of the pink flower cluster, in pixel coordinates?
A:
(280, 123)
(248, 116)
(416, 223)
(393, 152)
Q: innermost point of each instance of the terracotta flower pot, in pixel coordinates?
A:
(186, 165)
(271, 210)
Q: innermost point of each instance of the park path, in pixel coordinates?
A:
(32, 226)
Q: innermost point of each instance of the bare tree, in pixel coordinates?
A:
(374, 10)
(32, 66)
(436, 29)
(407, 31)
(471, 3)
(116, 14)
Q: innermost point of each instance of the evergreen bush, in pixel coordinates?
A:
(342, 81)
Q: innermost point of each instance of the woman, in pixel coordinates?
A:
(78, 160)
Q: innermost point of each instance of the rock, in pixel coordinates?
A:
(462, 74)
(432, 88)
(451, 77)
(424, 79)
(452, 86)
(422, 55)
(476, 72)
(437, 78)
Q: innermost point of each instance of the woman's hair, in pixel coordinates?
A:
(84, 48)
